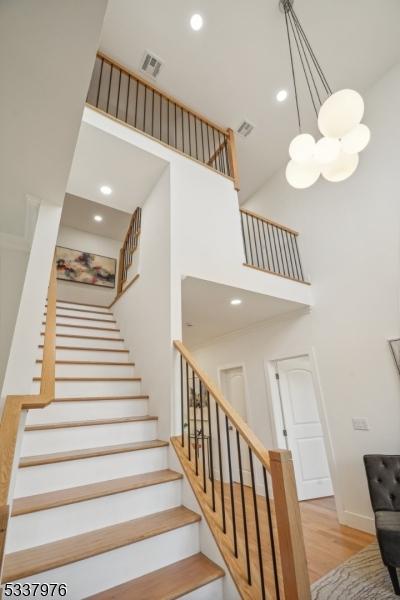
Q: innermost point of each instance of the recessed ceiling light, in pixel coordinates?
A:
(281, 95)
(196, 22)
(106, 190)
(236, 301)
(98, 218)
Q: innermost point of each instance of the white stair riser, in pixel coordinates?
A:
(77, 314)
(42, 527)
(65, 370)
(61, 475)
(88, 342)
(107, 331)
(61, 304)
(109, 569)
(79, 438)
(71, 320)
(213, 590)
(80, 389)
(58, 412)
(92, 355)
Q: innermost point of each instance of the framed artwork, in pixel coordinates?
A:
(85, 267)
(395, 348)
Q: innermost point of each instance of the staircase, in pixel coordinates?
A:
(95, 505)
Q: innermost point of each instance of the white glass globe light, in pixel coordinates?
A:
(356, 140)
(301, 148)
(341, 168)
(302, 175)
(326, 150)
(340, 112)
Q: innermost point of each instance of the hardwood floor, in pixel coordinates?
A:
(327, 542)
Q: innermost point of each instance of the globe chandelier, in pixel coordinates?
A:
(335, 155)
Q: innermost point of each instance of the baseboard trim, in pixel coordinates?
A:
(357, 521)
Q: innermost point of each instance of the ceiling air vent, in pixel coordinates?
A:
(245, 129)
(151, 64)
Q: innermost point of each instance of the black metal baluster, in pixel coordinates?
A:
(299, 259)
(249, 238)
(202, 139)
(244, 238)
(255, 241)
(101, 74)
(266, 245)
(210, 450)
(196, 458)
(278, 267)
(182, 131)
(246, 539)
(195, 131)
(136, 102)
(168, 120)
(273, 254)
(261, 246)
(109, 88)
(292, 273)
(258, 536)
(145, 108)
(175, 139)
(152, 113)
(160, 102)
(203, 450)
(271, 534)
(182, 416)
(190, 134)
(119, 91)
(127, 98)
(294, 256)
(228, 447)
(284, 252)
(221, 473)
(188, 411)
(214, 162)
(208, 143)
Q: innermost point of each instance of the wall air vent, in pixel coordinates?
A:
(151, 64)
(245, 129)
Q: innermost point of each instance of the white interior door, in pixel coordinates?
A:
(304, 431)
(233, 387)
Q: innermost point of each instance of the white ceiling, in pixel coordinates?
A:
(103, 159)
(79, 212)
(233, 67)
(206, 306)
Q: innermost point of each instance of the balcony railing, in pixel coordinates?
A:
(271, 247)
(132, 99)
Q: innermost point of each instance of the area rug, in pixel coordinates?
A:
(362, 577)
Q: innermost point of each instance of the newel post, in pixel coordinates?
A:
(296, 581)
(232, 156)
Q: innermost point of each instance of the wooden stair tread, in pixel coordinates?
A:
(81, 493)
(81, 303)
(84, 327)
(91, 362)
(58, 315)
(45, 459)
(92, 379)
(100, 398)
(87, 337)
(31, 561)
(89, 349)
(94, 312)
(168, 583)
(68, 424)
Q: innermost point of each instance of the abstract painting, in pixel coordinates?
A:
(85, 267)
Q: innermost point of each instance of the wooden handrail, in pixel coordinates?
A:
(273, 223)
(245, 431)
(247, 559)
(14, 404)
(126, 96)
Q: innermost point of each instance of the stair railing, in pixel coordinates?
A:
(128, 97)
(128, 249)
(14, 405)
(258, 529)
(271, 247)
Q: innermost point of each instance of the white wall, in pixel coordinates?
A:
(350, 243)
(144, 311)
(96, 244)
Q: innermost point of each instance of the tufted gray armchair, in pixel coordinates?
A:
(383, 474)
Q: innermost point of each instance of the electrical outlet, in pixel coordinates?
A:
(360, 424)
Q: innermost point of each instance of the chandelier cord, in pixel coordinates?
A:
(289, 8)
(293, 73)
(295, 29)
(304, 68)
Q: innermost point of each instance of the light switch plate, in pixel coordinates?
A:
(360, 424)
